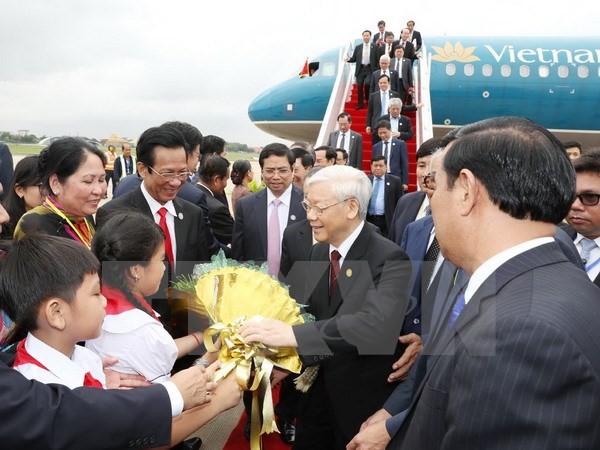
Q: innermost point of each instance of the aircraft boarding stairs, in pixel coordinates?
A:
(345, 96)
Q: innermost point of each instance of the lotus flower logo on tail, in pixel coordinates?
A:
(454, 52)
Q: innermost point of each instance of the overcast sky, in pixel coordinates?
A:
(91, 68)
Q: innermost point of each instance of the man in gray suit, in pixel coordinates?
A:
(504, 341)
(349, 140)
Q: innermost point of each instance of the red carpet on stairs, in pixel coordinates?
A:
(272, 441)
(359, 123)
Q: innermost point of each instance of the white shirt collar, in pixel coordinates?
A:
(285, 198)
(488, 267)
(579, 237)
(344, 247)
(154, 205)
(69, 371)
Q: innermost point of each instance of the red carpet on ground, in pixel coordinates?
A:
(272, 441)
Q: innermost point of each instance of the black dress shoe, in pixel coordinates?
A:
(288, 432)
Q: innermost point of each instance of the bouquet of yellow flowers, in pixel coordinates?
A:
(229, 293)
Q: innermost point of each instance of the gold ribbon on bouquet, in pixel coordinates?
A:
(229, 295)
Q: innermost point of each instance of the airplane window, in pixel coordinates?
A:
(328, 69)
(505, 70)
(524, 71)
(563, 71)
(469, 70)
(450, 69)
(486, 70)
(584, 71)
(544, 71)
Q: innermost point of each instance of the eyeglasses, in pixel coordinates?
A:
(281, 171)
(589, 199)
(429, 181)
(170, 176)
(318, 209)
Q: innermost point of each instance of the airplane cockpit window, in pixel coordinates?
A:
(524, 71)
(544, 71)
(505, 70)
(563, 71)
(486, 70)
(450, 69)
(584, 71)
(469, 70)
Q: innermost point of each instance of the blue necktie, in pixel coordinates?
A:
(376, 187)
(587, 245)
(456, 310)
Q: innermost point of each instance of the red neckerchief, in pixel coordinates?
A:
(116, 302)
(23, 357)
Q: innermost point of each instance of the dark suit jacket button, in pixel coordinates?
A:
(416, 321)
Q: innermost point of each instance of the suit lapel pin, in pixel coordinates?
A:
(348, 273)
(292, 217)
(388, 183)
(180, 215)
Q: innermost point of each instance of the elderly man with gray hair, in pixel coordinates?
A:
(359, 298)
(401, 125)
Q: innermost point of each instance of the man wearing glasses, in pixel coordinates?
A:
(359, 303)
(584, 216)
(163, 167)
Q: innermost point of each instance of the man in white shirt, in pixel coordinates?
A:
(347, 139)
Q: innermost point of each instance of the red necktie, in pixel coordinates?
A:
(334, 271)
(162, 212)
(90, 381)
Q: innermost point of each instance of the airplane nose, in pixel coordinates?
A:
(259, 109)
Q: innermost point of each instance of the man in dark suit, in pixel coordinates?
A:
(403, 67)
(163, 167)
(378, 102)
(255, 217)
(584, 216)
(214, 174)
(387, 48)
(365, 56)
(404, 42)
(387, 189)
(504, 340)
(393, 150)
(401, 125)
(413, 206)
(36, 415)
(349, 140)
(379, 37)
(193, 139)
(415, 36)
(385, 69)
(363, 289)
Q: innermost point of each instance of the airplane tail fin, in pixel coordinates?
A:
(304, 72)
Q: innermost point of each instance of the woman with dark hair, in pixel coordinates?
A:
(132, 269)
(24, 193)
(241, 176)
(73, 179)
